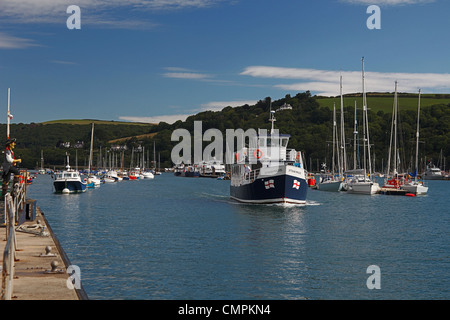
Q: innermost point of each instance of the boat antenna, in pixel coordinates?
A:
(68, 166)
(272, 117)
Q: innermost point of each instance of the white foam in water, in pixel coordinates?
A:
(312, 203)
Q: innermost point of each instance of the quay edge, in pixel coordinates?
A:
(34, 278)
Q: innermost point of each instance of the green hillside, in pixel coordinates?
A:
(55, 138)
(309, 123)
(385, 101)
(90, 121)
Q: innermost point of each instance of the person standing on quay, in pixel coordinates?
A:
(9, 163)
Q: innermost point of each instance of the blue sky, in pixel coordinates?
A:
(153, 60)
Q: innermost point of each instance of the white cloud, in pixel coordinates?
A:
(326, 82)
(387, 2)
(186, 75)
(93, 11)
(63, 62)
(11, 42)
(212, 106)
(156, 119)
(219, 105)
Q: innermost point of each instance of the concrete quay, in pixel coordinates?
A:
(40, 273)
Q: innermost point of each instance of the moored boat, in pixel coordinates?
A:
(334, 182)
(361, 180)
(331, 183)
(69, 181)
(432, 173)
(187, 171)
(148, 175)
(416, 186)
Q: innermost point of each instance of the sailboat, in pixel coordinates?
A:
(361, 180)
(416, 187)
(333, 183)
(394, 180)
(92, 180)
(42, 170)
(149, 174)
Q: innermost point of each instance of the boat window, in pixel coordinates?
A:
(262, 142)
(273, 142)
(284, 142)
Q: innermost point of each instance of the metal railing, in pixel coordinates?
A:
(14, 204)
(9, 254)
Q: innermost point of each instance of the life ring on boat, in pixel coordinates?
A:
(258, 154)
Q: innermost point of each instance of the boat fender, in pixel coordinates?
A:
(258, 154)
(410, 195)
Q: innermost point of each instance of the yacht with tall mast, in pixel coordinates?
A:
(416, 186)
(394, 180)
(361, 180)
(335, 182)
(92, 180)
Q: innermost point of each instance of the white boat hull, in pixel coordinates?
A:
(416, 188)
(332, 186)
(366, 187)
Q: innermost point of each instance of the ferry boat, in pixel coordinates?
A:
(69, 181)
(270, 173)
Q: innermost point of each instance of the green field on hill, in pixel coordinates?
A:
(384, 102)
(90, 121)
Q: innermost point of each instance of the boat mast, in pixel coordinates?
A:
(355, 136)
(8, 116)
(364, 115)
(334, 140)
(395, 130)
(343, 153)
(366, 125)
(90, 151)
(417, 140)
(154, 156)
(42, 159)
(388, 168)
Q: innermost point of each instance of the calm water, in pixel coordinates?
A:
(180, 238)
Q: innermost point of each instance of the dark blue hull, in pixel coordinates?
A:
(278, 189)
(73, 186)
(188, 174)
